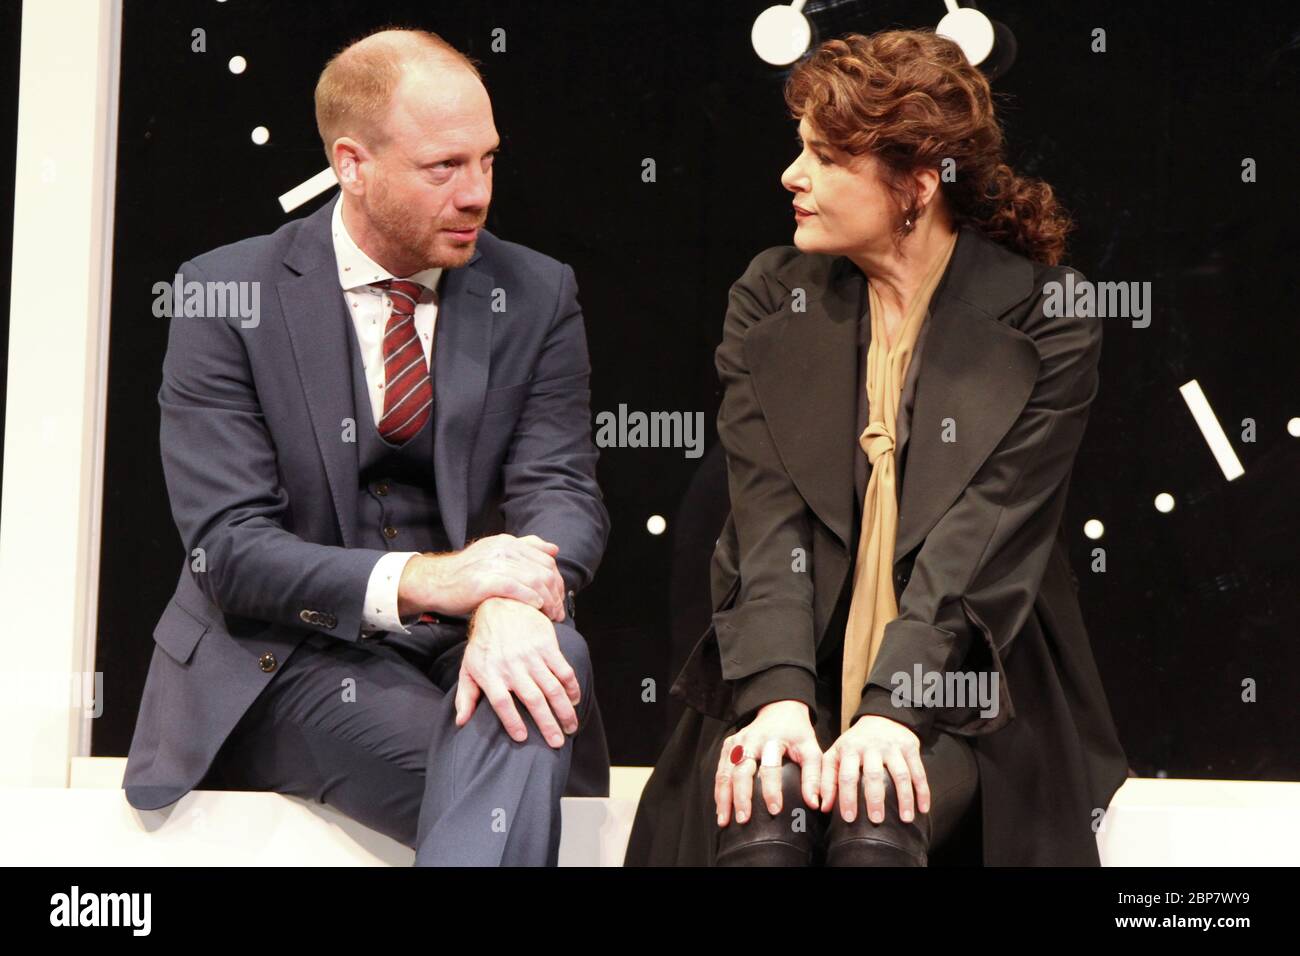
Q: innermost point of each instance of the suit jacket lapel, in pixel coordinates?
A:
(316, 315)
(462, 355)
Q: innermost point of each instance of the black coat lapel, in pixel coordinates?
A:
(974, 369)
(804, 367)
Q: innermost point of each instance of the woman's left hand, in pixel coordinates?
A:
(867, 748)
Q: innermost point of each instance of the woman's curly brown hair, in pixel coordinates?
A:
(911, 99)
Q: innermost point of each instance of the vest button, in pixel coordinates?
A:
(381, 488)
(390, 532)
(267, 662)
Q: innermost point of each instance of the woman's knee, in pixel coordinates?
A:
(891, 842)
(787, 838)
(952, 776)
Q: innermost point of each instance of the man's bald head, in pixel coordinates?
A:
(408, 129)
(354, 94)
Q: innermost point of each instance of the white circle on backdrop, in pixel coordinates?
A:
(237, 64)
(260, 135)
(1293, 428)
(781, 35)
(1164, 502)
(656, 524)
(970, 30)
(1093, 528)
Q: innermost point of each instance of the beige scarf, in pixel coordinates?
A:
(874, 605)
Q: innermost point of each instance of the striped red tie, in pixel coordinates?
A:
(408, 390)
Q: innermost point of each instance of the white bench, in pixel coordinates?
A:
(1151, 822)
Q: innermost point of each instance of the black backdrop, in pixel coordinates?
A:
(1144, 142)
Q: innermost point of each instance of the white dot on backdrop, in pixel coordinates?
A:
(655, 524)
(781, 34)
(1293, 427)
(1164, 502)
(261, 135)
(237, 64)
(1093, 528)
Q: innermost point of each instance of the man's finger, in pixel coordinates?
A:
(498, 695)
(531, 696)
(563, 671)
(547, 584)
(537, 569)
(556, 696)
(506, 586)
(543, 579)
(535, 555)
(536, 542)
(467, 695)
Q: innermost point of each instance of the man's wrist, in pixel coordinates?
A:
(412, 589)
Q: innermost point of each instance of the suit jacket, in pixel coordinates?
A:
(263, 485)
(980, 567)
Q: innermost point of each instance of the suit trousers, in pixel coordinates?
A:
(369, 729)
(801, 836)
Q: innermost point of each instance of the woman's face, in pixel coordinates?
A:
(841, 204)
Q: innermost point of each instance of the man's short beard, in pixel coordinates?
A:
(402, 234)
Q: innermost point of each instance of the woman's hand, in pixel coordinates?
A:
(779, 729)
(869, 746)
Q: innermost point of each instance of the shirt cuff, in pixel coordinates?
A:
(380, 610)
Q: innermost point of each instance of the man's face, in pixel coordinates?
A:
(428, 187)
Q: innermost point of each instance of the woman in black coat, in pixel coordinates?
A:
(900, 177)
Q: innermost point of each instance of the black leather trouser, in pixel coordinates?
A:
(802, 836)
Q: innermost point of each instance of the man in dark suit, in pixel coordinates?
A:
(385, 484)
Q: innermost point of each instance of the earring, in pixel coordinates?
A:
(909, 222)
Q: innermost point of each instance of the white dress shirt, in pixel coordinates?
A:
(369, 308)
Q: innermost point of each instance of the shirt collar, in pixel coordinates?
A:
(356, 269)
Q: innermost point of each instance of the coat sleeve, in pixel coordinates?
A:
(766, 639)
(549, 477)
(223, 482)
(981, 566)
